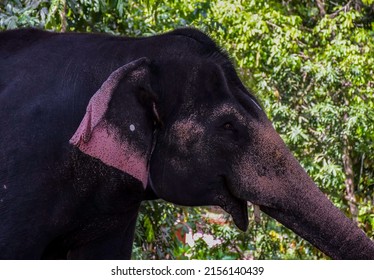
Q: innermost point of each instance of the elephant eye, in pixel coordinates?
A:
(228, 126)
(229, 130)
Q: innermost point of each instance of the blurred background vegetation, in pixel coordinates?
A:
(311, 63)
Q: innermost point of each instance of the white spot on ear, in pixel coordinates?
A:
(132, 127)
(5, 187)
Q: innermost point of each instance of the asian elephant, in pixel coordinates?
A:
(91, 125)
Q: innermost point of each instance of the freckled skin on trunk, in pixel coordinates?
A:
(285, 192)
(312, 216)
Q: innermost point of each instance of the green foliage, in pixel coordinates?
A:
(311, 65)
(213, 239)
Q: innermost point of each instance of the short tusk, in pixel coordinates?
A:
(257, 213)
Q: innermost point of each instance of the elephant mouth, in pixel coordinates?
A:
(236, 207)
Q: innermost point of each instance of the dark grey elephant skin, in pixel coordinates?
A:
(92, 125)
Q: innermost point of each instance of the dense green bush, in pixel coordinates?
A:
(311, 63)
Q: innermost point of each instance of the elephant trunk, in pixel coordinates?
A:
(317, 220)
(310, 214)
(272, 178)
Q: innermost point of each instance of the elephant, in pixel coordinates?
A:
(91, 125)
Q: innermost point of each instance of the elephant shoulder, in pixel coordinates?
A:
(13, 41)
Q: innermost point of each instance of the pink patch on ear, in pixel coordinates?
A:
(96, 138)
(104, 145)
(97, 107)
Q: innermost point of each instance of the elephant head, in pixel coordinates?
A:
(218, 147)
(197, 136)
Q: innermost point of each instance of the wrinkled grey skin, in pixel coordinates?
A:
(180, 111)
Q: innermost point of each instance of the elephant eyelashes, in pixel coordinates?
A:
(230, 130)
(228, 126)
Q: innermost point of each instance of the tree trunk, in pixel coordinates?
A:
(349, 176)
(63, 17)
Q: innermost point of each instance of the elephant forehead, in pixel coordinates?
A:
(227, 109)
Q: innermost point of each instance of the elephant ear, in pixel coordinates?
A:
(117, 128)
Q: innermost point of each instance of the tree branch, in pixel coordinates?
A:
(321, 7)
(345, 8)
